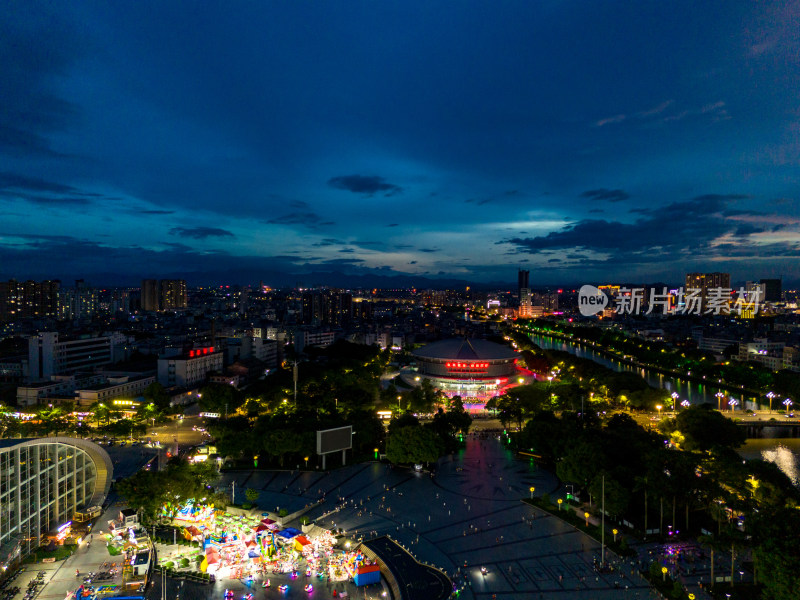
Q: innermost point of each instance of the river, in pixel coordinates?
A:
(784, 452)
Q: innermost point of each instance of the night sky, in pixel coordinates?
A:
(586, 141)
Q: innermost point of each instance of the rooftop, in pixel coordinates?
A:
(465, 349)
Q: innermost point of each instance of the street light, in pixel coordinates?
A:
(532, 490)
(719, 396)
(770, 395)
(732, 403)
(685, 404)
(559, 504)
(788, 403)
(586, 516)
(674, 400)
(615, 532)
(658, 408)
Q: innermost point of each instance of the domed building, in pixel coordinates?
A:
(474, 369)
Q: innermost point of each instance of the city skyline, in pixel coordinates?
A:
(633, 142)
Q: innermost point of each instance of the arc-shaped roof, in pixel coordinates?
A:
(100, 458)
(465, 349)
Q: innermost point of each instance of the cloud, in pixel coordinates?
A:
(429, 250)
(606, 195)
(610, 120)
(200, 233)
(15, 181)
(346, 250)
(156, 212)
(677, 231)
(392, 224)
(413, 262)
(656, 110)
(364, 184)
(327, 242)
(308, 219)
(596, 210)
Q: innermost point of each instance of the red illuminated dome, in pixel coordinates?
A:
(469, 368)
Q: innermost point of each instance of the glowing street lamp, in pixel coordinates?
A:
(615, 532)
(732, 403)
(770, 395)
(532, 490)
(674, 400)
(559, 504)
(664, 573)
(376, 454)
(658, 408)
(788, 403)
(719, 396)
(586, 516)
(685, 404)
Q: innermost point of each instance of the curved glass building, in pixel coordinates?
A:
(42, 482)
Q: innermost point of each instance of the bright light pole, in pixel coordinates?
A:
(732, 403)
(532, 490)
(559, 504)
(615, 532)
(770, 395)
(674, 400)
(788, 403)
(658, 408)
(719, 396)
(586, 516)
(685, 404)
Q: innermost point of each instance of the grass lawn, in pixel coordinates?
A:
(59, 553)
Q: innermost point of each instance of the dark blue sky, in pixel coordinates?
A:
(587, 141)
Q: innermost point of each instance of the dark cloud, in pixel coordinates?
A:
(200, 233)
(364, 184)
(748, 228)
(554, 260)
(606, 195)
(298, 218)
(392, 224)
(13, 181)
(346, 250)
(327, 242)
(342, 261)
(679, 230)
(429, 250)
(413, 262)
(156, 212)
(47, 200)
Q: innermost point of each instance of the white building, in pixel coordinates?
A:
(114, 387)
(189, 369)
(50, 355)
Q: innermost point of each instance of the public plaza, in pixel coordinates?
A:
(466, 519)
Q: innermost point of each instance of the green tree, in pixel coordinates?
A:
(252, 495)
(413, 444)
(156, 394)
(704, 428)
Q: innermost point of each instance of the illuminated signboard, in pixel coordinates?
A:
(201, 351)
(467, 367)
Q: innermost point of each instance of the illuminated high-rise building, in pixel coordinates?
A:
(172, 294)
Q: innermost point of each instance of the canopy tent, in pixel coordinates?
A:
(289, 533)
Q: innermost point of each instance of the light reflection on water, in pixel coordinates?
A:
(785, 453)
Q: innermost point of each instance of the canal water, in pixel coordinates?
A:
(784, 452)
